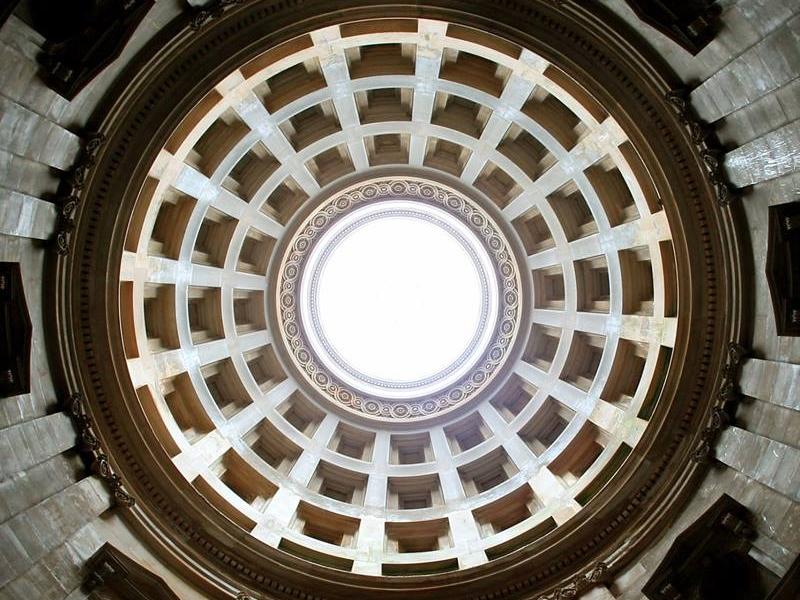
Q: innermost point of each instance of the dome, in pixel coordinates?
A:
(343, 432)
(445, 300)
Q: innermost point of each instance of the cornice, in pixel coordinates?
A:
(90, 446)
(705, 140)
(579, 584)
(213, 10)
(72, 183)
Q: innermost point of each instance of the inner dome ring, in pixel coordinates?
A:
(502, 322)
(399, 211)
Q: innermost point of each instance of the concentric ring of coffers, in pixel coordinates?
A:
(348, 494)
(485, 352)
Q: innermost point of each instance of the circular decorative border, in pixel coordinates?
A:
(419, 189)
(479, 329)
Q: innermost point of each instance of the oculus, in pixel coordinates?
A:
(398, 297)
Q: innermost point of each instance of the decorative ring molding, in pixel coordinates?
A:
(725, 406)
(70, 190)
(468, 213)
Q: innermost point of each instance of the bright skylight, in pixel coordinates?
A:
(399, 298)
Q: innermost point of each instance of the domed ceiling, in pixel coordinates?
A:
(390, 302)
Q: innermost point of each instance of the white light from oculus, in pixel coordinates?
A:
(399, 299)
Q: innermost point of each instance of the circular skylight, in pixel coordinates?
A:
(399, 298)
